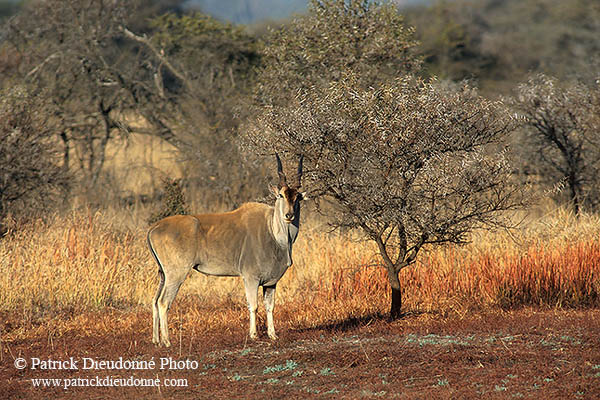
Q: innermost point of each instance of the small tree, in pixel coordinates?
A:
(67, 51)
(406, 162)
(409, 164)
(561, 126)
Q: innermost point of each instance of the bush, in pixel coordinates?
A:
(560, 123)
(173, 201)
(31, 177)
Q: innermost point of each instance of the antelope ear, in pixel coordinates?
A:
(274, 190)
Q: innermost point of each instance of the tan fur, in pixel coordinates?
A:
(253, 242)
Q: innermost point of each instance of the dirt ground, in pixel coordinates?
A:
(543, 354)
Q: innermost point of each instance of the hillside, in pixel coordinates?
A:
(250, 11)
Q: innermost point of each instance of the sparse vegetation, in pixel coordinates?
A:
(418, 164)
(499, 43)
(88, 261)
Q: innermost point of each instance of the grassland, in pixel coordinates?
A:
(59, 266)
(513, 314)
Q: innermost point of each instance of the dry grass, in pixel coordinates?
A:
(67, 265)
(58, 268)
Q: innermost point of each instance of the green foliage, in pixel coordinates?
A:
(288, 366)
(173, 202)
(174, 30)
(335, 38)
(203, 44)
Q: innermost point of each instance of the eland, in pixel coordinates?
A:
(254, 242)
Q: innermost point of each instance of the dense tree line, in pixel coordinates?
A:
(499, 43)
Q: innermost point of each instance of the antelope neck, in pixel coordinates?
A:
(284, 233)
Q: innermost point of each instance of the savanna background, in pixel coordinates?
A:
(113, 115)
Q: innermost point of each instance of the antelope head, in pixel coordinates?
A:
(288, 200)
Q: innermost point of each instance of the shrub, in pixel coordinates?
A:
(173, 201)
(31, 177)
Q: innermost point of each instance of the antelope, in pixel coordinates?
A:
(253, 242)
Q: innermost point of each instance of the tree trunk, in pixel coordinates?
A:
(574, 186)
(396, 307)
(66, 159)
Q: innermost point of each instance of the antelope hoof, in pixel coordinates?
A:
(272, 336)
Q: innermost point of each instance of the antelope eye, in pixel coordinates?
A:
(280, 196)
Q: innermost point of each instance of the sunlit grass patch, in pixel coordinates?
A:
(60, 267)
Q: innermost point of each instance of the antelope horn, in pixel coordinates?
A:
(282, 180)
(299, 176)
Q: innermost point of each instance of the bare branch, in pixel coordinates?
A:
(159, 55)
(35, 70)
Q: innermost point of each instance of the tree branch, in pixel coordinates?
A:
(159, 54)
(35, 70)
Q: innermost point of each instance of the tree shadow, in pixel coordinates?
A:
(353, 323)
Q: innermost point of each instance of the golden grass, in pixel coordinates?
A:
(71, 264)
(63, 266)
